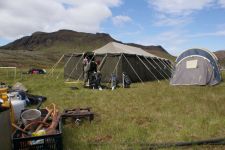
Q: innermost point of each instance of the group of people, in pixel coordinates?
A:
(92, 77)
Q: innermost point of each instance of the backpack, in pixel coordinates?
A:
(126, 80)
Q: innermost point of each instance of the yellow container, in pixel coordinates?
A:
(3, 90)
(6, 104)
(3, 94)
(4, 97)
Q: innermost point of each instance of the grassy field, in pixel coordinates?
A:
(126, 118)
(29, 59)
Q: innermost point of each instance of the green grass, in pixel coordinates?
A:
(21, 58)
(126, 118)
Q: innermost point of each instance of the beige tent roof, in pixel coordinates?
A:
(118, 48)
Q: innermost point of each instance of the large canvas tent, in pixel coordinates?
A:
(196, 67)
(117, 58)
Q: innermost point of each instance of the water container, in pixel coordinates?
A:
(18, 106)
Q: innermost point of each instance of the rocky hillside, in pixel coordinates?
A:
(156, 50)
(53, 45)
(221, 57)
(62, 40)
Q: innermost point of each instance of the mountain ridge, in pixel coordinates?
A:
(43, 40)
(54, 44)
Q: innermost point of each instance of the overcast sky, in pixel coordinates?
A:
(175, 24)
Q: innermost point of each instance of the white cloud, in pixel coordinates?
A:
(121, 20)
(179, 7)
(167, 20)
(222, 3)
(176, 41)
(173, 41)
(216, 33)
(83, 2)
(177, 12)
(19, 18)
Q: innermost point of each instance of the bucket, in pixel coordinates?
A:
(30, 115)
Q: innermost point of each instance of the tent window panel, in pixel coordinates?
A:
(192, 64)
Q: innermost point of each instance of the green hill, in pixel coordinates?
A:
(43, 49)
(221, 57)
(62, 41)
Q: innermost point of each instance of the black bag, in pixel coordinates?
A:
(126, 80)
(95, 79)
(35, 99)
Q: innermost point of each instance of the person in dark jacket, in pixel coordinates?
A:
(92, 70)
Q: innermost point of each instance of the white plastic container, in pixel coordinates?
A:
(18, 106)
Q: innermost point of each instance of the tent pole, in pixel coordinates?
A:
(65, 65)
(103, 60)
(133, 69)
(55, 65)
(75, 67)
(165, 66)
(117, 63)
(171, 66)
(116, 66)
(171, 69)
(159, 67)
(79, 77)
(147, 68)
(155, 68)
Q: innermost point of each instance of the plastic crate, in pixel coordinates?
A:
(46, 142)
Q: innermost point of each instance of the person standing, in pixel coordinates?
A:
(86, 68)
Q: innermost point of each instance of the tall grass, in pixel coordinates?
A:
(127, 118)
